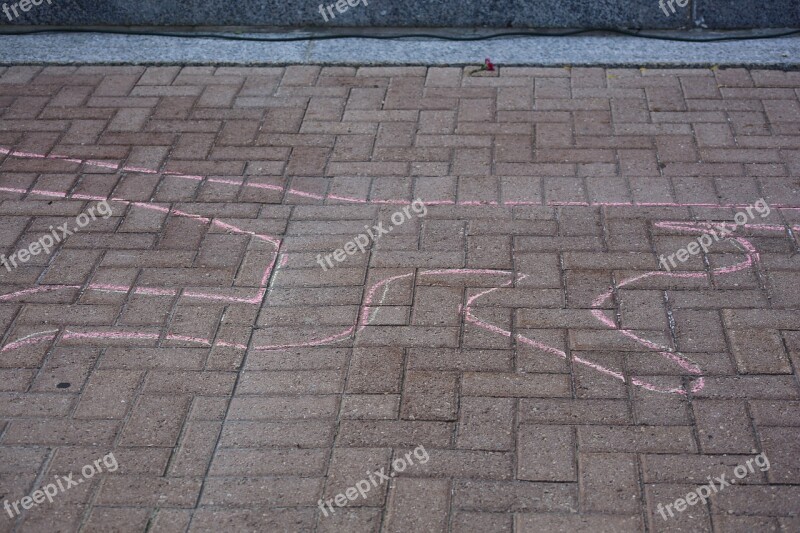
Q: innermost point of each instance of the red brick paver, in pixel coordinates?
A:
(522, 330)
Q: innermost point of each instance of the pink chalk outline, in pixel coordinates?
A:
(363, 319)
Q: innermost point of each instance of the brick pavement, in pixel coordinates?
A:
(521, 331)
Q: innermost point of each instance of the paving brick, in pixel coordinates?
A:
(103, 518)
(743, 523)
(34, 405)
(515, 496)
(769, 500)
(375, 371)
(355, 519)
(414, 336)
(140, 491)
(637, 439)
(108, 394)
(429, 396)
(285, 433)
(682, 468)
(155, 421)
(370, 406)
(135, 461)
(208, 408)
(189, 382)
(208, 520)
(357, 433)
(525, 522)
(407, 495)
(723, 426)
(349, 466)
(755, 387)
(565, 411)
(771, 413)
(61, 432)
(780, 447)
(62, 516)
(291, 382)
(759, 352)
(456, 464)
(609, 482)
(699, 331)
(282, 408)
(509, 384)
(453, 359)
(275, 492)
(546, 453)
(610, 341)
(474, 522)
(486, 423)
(267, 462)
(131, 119)
(653, 409)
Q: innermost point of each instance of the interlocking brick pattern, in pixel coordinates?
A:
(519, 331)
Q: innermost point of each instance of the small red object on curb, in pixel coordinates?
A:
(489, 64)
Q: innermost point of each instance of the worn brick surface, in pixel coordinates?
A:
(521, 329)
